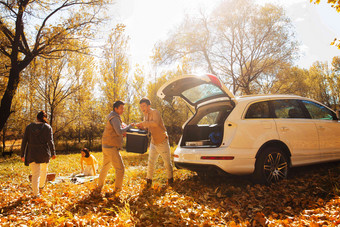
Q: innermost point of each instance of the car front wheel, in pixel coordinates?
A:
(271, 166)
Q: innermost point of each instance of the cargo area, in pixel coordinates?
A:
(206, 127)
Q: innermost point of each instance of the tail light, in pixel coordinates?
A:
(214, 80)
(217, 157)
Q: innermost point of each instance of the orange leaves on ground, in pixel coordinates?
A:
(309, 198)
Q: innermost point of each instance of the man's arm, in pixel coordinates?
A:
(117, 126)
(155, 122)
(51, 142)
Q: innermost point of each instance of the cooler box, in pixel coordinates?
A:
(136, 141)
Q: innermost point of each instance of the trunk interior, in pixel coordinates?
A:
(205, 128)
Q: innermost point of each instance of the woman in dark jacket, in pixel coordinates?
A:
(37, 148)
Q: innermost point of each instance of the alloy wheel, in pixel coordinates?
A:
(275, 167)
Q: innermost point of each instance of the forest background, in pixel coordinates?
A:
(62, 58)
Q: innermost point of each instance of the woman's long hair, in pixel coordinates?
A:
(86, 151)
(42, 117)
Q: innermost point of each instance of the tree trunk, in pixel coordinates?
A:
(52, 116)
(6, 101)
(4, 139)
(79, 132)
(16, 68)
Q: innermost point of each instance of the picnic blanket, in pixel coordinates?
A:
(74, 178)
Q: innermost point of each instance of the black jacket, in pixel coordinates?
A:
(37, 145)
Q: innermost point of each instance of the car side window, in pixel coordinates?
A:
(288, 108)
(209, 119)
(318, 111)
(258, 110)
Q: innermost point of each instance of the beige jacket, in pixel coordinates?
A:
(110, 137)
(155, 125)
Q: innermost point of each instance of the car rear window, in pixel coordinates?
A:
(202, 92)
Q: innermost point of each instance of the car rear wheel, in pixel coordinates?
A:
(271, 166)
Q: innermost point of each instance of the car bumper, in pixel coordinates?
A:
(199, 167)
(241, 164)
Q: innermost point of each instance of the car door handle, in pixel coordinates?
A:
(284, 129)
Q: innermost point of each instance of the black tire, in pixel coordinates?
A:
(271, 166)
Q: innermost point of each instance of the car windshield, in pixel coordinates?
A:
(202, 92)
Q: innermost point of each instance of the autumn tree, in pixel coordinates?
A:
(319, 87)
(334, 82)
(14, 127)
(4, 68)
(54, 86)
(168, 110)
(115, 66)
(320, 82)
(238, 41)
(41, 28)
(80, 67)
(64, 88)
(325, 79)
(136, 89)
(336, 5)
(286, 80)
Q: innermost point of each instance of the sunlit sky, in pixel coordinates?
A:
(149, 21)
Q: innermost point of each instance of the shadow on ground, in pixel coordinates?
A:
(227, 198)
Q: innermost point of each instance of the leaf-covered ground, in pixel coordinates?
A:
(310, 197)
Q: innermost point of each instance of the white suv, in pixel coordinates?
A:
(263, 135)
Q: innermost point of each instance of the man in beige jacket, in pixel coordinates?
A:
(112, 141)
(159, 140)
